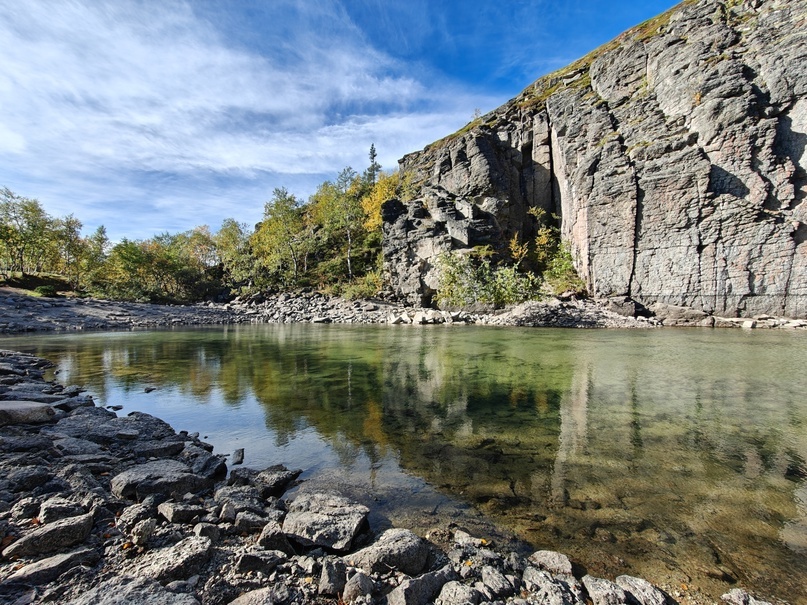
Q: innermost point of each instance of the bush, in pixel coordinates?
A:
(367, 286)
(46, 290)
(466, 281)
(561, 275)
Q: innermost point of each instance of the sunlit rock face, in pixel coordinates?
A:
(674, 158)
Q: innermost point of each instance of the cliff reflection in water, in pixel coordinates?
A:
(677, 455)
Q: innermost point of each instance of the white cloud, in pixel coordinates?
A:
(96, 95)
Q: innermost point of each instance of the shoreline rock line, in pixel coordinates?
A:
(99, 509)
(21, 313)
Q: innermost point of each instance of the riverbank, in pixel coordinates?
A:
(101, 509)
(20, 312)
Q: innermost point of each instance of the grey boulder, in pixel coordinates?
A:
(327, 520)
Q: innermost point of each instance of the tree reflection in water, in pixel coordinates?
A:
(676, 455)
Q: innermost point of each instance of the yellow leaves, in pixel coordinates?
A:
(384, 189)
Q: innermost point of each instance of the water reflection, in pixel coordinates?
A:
(678, 455)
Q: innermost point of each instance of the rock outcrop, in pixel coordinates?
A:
(674, 157)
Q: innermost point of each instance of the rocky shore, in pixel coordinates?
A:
(97, 509)
(23, 313)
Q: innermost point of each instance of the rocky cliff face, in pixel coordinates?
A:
(674, 157)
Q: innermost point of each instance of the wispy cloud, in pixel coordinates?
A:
(146, 116)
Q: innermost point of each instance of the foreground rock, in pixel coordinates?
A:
(97, 509)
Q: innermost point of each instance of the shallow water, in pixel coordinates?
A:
(676, 455)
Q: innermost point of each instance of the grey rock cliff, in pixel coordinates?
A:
(674, 156)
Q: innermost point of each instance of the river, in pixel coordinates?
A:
(675, 455)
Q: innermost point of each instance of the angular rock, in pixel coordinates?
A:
(333, 577)
(57, 508)
(132, 515)
(273, 538)
(207, 530)
(127, 590)
(158, 477)
(395, 549)
(456, 593)
(28, 478)
(272, 595)
(54, 536)
(142, 531)
(249, 522)
(421, 590)
(604, 592)
(641, 590)
(273, 481)
(325, 520)
(25, 412)
(47, 570)
(496, 586)
(260, 560)
(177, 512)
(546, 589)
(245, 498)
(182, 560)
(551, 561)
(359, 585)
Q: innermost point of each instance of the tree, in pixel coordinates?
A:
(337, 207)
(235, 255)
(385, 188)
(371, 174)
(278, 238)
(28, 232)
(72, 248)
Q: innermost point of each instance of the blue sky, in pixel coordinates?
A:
(149, 116)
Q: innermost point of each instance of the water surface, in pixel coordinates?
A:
(676, 455)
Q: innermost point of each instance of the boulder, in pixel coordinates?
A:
(273, 538)
(549, 590)
(495, 585)
(328, 520)
(58, 507)
(25, 412)
(641, 590)
(604, 592)
(395, 549)
(551, 561)
(126, 590)
(48, 569)
(333, 577)
(157, 477)
(423, 589)
(178, 512)
(177, 562)
(258, 559)
(359, 585)
(54, 536)
(456, 593)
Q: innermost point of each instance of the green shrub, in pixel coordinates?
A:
(561, 275)
(46, 290)
(466, 280)
(367, 286)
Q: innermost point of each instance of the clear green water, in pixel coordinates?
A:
(677, 455)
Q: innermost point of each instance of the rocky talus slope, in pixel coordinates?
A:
(100, 509)
(674, 157)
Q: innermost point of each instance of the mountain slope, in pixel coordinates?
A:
(674, 156)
